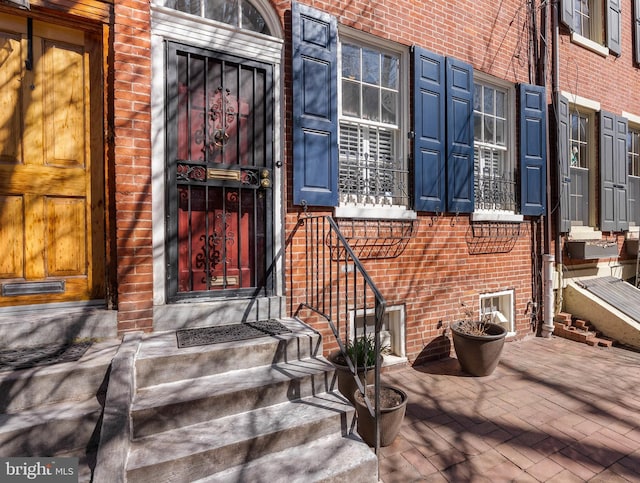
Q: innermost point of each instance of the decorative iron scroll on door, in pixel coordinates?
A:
(221, 123)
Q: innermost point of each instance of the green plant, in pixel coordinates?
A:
(362, 350)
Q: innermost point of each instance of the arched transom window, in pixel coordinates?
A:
(239, 13)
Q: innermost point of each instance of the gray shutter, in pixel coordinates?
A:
(614, 26)
(636, 31)
(315, 106)
(562, 153)
(566, 13)
(613, 173)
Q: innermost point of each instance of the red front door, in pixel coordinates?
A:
(220, 173)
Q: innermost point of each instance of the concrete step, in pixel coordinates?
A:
(160, 361)
(49, 430)
(30, 325)
(181, 403)
(42, 385)
(330, 459)
(200, 450)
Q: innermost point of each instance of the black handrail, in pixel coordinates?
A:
(338, 288)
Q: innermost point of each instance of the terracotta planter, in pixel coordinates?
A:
(346, 383)
(479, 355)
(390, 417)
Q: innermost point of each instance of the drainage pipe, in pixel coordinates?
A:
(548, 262)
(555, 81)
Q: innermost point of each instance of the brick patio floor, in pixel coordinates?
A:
(554, 410)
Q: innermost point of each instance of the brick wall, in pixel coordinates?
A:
(437, 271)
(132, 154)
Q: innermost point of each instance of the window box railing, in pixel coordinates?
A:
(367, 181)
(495, 193)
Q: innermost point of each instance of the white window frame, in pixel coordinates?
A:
(392, 334)
(201, 11)
(588, 108)
(634, 125)
(369, 207)
(634, 129)
(591, 161)
(597, 24)
(481, 213)
(505, 313)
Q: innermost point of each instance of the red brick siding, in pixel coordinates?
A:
(436, 271)
(612, 81)
(132, 153)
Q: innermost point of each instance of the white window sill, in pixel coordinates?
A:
(375, 212)
(589, 44)
(496, 216)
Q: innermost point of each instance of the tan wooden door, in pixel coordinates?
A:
(51, 218)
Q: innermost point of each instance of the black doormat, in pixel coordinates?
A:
(229, 333)
(45, 355)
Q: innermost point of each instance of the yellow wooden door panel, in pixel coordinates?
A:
(11, 237)
(42, 180)
(51, 223)
(34, 233)
(10, 98)
(66, 236)
(64, 104)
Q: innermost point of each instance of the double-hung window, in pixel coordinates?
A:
(350, 124)
(633, 161)
(494, 166)
(594, 157)
(371, 167)
(594, 24)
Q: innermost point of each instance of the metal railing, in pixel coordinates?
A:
(337, 287)
(495, 193)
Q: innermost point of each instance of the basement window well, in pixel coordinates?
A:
(500, 308)
(392, 334)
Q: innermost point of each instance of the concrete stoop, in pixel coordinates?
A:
(55, 410)
(264, 409)
(579, 330)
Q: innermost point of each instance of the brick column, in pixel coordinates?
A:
(132, 153)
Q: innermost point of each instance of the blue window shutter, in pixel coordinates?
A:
(636, 31)
(566, 13)
(429, 131)
(315, 107)
(614, 26)
(533, 149)
(459, 88)
(613, 173)
(562, 153)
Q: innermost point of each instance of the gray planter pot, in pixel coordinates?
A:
(478, 355)
(390, 417)
(346, 383)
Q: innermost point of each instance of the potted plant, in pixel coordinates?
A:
(478, 344)
(393, 404)
(362, 353)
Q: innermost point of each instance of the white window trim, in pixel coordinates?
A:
(397, 325)
(582, 101)
(632, 118)
(170, 24)
(590, 109)
(349, 210)
(589, 44)
(511, 308)
(501, 215)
